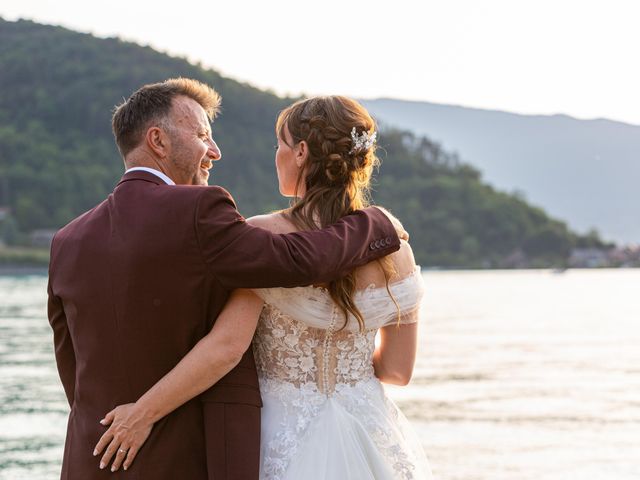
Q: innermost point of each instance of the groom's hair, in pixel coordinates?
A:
(152, 103)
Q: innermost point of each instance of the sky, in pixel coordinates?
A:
(577, 57)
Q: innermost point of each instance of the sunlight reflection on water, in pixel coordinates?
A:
(521, 375)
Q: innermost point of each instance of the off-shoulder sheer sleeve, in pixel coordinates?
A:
(314, 307)
(403, 308)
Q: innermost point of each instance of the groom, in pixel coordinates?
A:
(135, 282)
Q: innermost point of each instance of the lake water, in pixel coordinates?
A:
(521, 375)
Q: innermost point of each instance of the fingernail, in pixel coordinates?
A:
(113, 469)
(102, 421)
(95, 452)
(125, 467)
(102, 465)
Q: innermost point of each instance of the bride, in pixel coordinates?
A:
(325, 413)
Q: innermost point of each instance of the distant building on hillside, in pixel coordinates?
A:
(588, 258)
(517, 259)
(625, 256)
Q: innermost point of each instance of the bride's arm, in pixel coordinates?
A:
(394, 358)
(209, 360)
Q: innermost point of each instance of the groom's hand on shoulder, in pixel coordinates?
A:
(402, 233)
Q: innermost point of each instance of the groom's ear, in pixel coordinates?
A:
(302, 152)
(158, 141)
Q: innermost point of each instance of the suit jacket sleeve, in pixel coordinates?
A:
(65, 355)
(244, 256)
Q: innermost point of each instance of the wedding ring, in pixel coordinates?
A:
(122, 451)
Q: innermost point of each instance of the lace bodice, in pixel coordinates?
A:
(300, 339)
(322, 402)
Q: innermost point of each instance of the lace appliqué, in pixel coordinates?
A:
(305, 359)
(302, 405)
(291, 351)
(286, 349)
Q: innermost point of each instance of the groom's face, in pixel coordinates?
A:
(192, 149)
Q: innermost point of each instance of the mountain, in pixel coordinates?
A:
(58, 158)
(586, 172)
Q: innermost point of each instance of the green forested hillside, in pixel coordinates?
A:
(58, 158)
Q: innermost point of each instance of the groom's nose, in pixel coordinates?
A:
(214, 152)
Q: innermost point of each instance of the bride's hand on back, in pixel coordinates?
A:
(127, 432)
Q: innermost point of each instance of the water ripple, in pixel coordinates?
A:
(521, 376)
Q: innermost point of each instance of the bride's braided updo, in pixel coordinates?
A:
(325, 124)
(336, 174)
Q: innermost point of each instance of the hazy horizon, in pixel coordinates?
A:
(533, 58)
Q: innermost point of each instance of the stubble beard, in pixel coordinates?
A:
(190, 171)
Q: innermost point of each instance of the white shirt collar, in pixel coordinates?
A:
(157, 173)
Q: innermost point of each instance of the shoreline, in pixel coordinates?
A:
(17, 270)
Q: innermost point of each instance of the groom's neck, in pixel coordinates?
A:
(144, 159)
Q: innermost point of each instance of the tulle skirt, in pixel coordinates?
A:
(356, 432)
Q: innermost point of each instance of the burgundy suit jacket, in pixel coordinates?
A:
(135, 283)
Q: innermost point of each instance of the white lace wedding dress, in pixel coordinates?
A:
(325, 414)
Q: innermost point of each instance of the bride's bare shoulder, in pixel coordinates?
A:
(373, 274)
(275, 222)
(403, 260)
